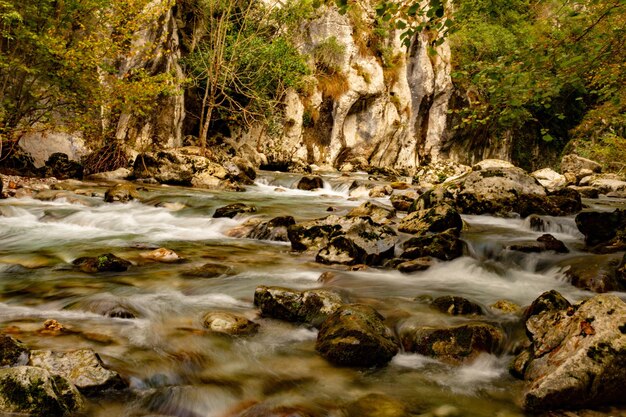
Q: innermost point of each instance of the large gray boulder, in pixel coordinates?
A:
(309, 306)
(27, 390)
(366, 242)
(578, 356)
(355, 335)
(82, 367)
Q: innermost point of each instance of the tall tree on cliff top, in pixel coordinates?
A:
(243, 63)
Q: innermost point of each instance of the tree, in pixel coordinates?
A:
(244, 62)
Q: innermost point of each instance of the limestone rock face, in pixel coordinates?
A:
(155, 48)
(27, 390)
(578, 359)
(82, 367)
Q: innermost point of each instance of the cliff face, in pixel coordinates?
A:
(391, 117)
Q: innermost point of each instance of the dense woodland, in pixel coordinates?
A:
(552, 70)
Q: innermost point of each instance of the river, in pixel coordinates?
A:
(176, 368)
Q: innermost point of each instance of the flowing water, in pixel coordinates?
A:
(176, 368)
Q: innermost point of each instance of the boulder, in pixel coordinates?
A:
(432, 220)
(355, 335)
(603, 230)
(27, 390)
(366, 242)
(103, 263)
(550, 179)
(453, 344)
(82, 367)
(439, 172)
(380, 191)
(121, 193)
(163, 255)
(577, 164)
(12, 352)
(487, 164)
(543, 243)
(229, 323)
(548, 301)
(210, 270)
(594, 273)
(232, 210)
(419, 264)
(505, 307)
(577, 358)
(118, 174)
(455, 305)
(606, 183)
(310, 183)
(316, 234)
(61, 167)
(274, 229)
(445, 246)
(375, 211)
(496, 190)
(310, 306)
(403, 201)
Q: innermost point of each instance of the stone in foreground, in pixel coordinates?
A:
(12, 352)
(577, 359)
(229, 323)
(82, 367)
(355, 335)
(103, 263)
(27, 390)
(311, 306)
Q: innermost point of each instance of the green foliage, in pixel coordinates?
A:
(58, 64)
(329, 54)
(544, 66)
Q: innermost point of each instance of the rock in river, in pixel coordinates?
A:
(310, 306)
(121, 193)
(12, 352)
(82, 367)
(355, 335)
(434, 220)
(310, 183)
(578, 356)
(232, 210)
(103, 263)
(27, 390)
(455, 305)
(229, 323)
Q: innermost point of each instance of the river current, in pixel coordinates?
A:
(177, 368)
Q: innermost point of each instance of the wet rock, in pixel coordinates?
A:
(594, 273)
(548, 301)
(505, 307)
(377, 405)
(161, 255)
(543, 243)
(12, 352)
(445, 246)
(355, 335)
(310, 306)
(606, 183)
(403, 201)
(232, 210)
(434, 220)
(176, 166)
(274, 229)
(316, 234)
(550, 179)
(310, 183)
(118, 174)
(269, 410)
(366, 242)
(578, 165)
(60, 166)
(454, 344)
(103, 263)
(419, 264)
(121, 193)
(440, 172)
(579, 357)
(376, 212)
(210, 270)
(399, 185)
(455, 305)
(229, 323)
(380, 191)
(243, 230)
(107, 306)
(604, 230)
(496, 191)
(27, 390)
(82, 367)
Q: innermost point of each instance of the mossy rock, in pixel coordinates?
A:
(103, 263)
